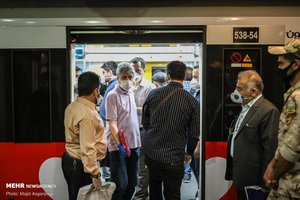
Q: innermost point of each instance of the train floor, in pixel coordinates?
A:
(189, 190)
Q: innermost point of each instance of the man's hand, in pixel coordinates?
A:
(268, 176)
(123, 150)
(96, 182)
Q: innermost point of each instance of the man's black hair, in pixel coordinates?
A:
(77, 69)
(176, 70)
(188, 73)
(110, 65)
(137, 60)
(87, 82)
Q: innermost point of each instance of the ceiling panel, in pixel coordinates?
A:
(141, 3)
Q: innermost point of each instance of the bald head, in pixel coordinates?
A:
(252, 79)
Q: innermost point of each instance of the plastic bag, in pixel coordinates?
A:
(105, 193)
(255, 193)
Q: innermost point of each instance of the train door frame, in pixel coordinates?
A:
(157, 34)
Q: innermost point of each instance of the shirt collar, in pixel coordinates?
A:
(295, 87)
(143, 82)
(113, 80)
(86, 102)
(250, 104)
(175, 84)
(120, 90)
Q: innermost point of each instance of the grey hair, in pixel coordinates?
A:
(253, 80)
(125, 67)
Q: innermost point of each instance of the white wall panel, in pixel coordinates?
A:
(32, 37)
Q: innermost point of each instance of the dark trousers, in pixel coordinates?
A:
(141, 191)
(241, 194)
(74, 174)
(195, 167)
(123, 172)
(168, 174)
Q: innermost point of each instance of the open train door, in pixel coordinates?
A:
(90, 47)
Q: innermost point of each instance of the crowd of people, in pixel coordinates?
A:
(144, 134)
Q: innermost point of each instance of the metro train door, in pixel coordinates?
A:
(90, 47)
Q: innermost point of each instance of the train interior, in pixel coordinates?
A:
(91, 56)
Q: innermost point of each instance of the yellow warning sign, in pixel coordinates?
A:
(247, 65)
(247, 58)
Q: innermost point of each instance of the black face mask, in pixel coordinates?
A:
(282, 73)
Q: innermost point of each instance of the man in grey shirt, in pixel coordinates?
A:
(141, 89)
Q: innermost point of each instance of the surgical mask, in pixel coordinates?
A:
(137, 77)
(126, 84)
(236, 97)
(99, 100)
(283, 73)
(102, 79)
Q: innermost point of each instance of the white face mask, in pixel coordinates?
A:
(137, 77)
(99, 100)
(236, 97)
(126, 84)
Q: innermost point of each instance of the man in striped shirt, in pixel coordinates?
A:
(171, 118)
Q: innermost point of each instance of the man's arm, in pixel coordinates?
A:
(269, 136)
(114, 131)
(194, 128)
(146, 114)
(87, 146)
(282, 165)
(268, 175)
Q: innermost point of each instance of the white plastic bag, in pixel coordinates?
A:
(105, 193)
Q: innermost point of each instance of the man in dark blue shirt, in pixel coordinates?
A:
(171, 118)
(109, 72)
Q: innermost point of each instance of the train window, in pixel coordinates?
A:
(6, 127)
(59, 94)
(31, 96)
(39, 95)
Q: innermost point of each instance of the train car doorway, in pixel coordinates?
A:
(91, 47)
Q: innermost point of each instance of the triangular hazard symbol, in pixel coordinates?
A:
(247, 58)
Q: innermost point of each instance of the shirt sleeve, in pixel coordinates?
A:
(111, 106)
(146, 114)
(88, 149)
(269, 135)
(194, 127)
(290, 146)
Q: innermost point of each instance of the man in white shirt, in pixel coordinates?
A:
(141, 89)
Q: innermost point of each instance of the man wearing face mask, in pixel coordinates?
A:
(252, 136)
(141, 89)
(77, 74)
(283, 172)
(85, 139)
(122, 117)
(109, 69)
(171, 117)
(109, 72)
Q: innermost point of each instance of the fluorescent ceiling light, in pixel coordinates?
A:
(30, 22)
(93, 22)
(7, 20)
